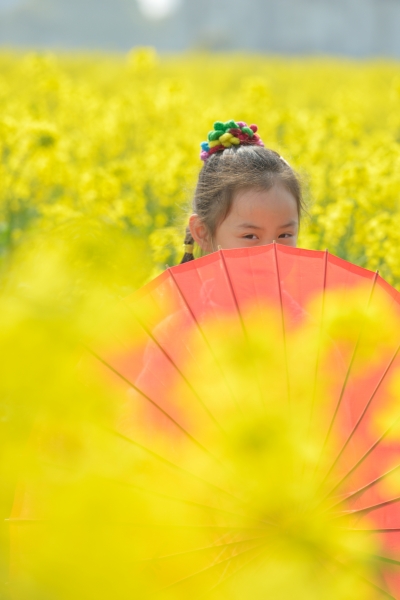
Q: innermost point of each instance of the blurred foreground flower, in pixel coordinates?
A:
(227, 437)
(59, 290)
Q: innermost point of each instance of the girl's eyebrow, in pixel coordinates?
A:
(252, 226)
(248, 226)
(290, 224)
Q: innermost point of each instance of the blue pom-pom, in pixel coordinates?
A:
(205, 146)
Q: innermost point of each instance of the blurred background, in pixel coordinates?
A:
(345, 27)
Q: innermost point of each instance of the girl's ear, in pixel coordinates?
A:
(200, 233)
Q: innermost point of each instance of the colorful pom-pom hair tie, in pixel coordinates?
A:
(227, 135)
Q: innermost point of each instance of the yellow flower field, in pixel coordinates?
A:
(99, 157)
(116, 138)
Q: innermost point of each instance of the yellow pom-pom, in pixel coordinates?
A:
(226, 137)
(228, 140)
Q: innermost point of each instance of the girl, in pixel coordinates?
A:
(246, 195)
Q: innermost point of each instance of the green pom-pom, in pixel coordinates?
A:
(219, 126)
(231, 125)
(214, 135)
(247, 130)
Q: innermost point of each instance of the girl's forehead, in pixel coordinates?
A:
(276, 200)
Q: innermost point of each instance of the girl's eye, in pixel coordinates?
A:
(250, 236)
(286, 235)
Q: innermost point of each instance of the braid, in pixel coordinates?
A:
(189, 243)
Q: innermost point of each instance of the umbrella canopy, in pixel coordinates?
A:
(259, 406)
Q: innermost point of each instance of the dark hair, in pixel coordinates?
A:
(225, 173)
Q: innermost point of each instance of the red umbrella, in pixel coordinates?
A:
(184, 314)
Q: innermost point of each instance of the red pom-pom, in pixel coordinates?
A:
(216, 149)
(254, 128)
(243, 137)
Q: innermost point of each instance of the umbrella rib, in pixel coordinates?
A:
(172, 362)
(365, 487)
(282, 319)
(382, 530)
(377, 588)
(239, 568)
(188, 577)
(326, 255)
(203, 335)
(173, 465)
(364, 457)
(185, 501)
(230, 284)
(157, 457)
(364, 579)
(20, 521)
(386, 559)
(133, 386)
(367, 509)
(203, 549)
(177, 467)
(127, 483)
(374, 586)
(235, 300)
(363, 413)
(317, 362)
(349, 367)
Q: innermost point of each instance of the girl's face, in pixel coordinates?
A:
(257, 217)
